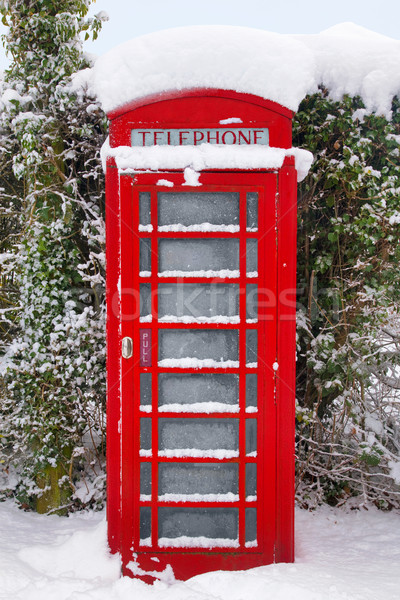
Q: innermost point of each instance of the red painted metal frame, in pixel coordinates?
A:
(202, 109)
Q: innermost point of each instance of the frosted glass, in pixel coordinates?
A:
(191, 388)
(251, 256)
(189, 208)
(198, 478)
(251, 301)
(199, 434)
(145, 479)
(145, 522)
(145, 389)
(198, 343)
(251, 525)
(251, 346)
(145, 299)
(145, 434)
(198, 522)
(145, 255)
(198, 300)
(144, 208)
(251, 479)
(252, 210)
(192, 254)
(251, 436)
(251, 390)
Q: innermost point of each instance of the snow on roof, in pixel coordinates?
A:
(283, 68)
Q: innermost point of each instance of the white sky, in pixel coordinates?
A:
(131, 18)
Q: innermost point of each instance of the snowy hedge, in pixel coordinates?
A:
(52, 244)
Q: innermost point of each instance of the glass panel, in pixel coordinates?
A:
(251, 526)
(251, 392)
(193, 348)
(145, 256)
(200, 257)
(145, 301)
(251, 437)
(252, 211)
(251, 257)
(252, 302)
(189, 209)
(198, 393)
(194, 481)
(193, 302)
(195, 524)
(144, 209)
(251, 347)
(145, 391)
(145, 435)
(145, 481)
(145, 526)
(251, 481)
(198, 437)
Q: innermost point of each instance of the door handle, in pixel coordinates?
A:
(127, 347)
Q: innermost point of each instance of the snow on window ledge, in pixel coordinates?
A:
(205, 156)
(197, 542)
(228, 497)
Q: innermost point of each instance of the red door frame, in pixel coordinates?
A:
(204, 109)
(279, 449)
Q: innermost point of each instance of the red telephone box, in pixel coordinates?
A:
(201, 333)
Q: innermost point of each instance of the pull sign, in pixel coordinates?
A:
(145, 347)
(127, 347)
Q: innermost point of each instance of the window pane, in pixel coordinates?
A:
(145, 391)
(191, 302)
(218, 525)
(251, 392)
(144, 208)
(251, 526)
(251, 302)
(198, 393)
(145, 256)
(145, 481)
(251, 437)
(198, 437)
(145, 301)
(145, 526)
(251, 481)
(200, 257)
(251, 347)
(251, 257)
(189, 209)
(252, 211)
(186, 480)
(194, 348)
(145, 435)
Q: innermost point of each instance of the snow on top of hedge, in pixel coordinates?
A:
(347, 59)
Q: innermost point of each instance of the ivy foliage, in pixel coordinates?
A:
(53, 386)
(349, 227)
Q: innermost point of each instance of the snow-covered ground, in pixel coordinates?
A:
(340, 556)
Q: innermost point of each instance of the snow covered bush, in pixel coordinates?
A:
(348, 378)
(53, 376)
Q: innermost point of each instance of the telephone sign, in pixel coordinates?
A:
(201, 342)
(194, 137)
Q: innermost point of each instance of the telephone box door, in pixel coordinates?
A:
(198, 319)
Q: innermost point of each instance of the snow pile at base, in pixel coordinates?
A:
(348, 59)
(205, 156)
(339, 556)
